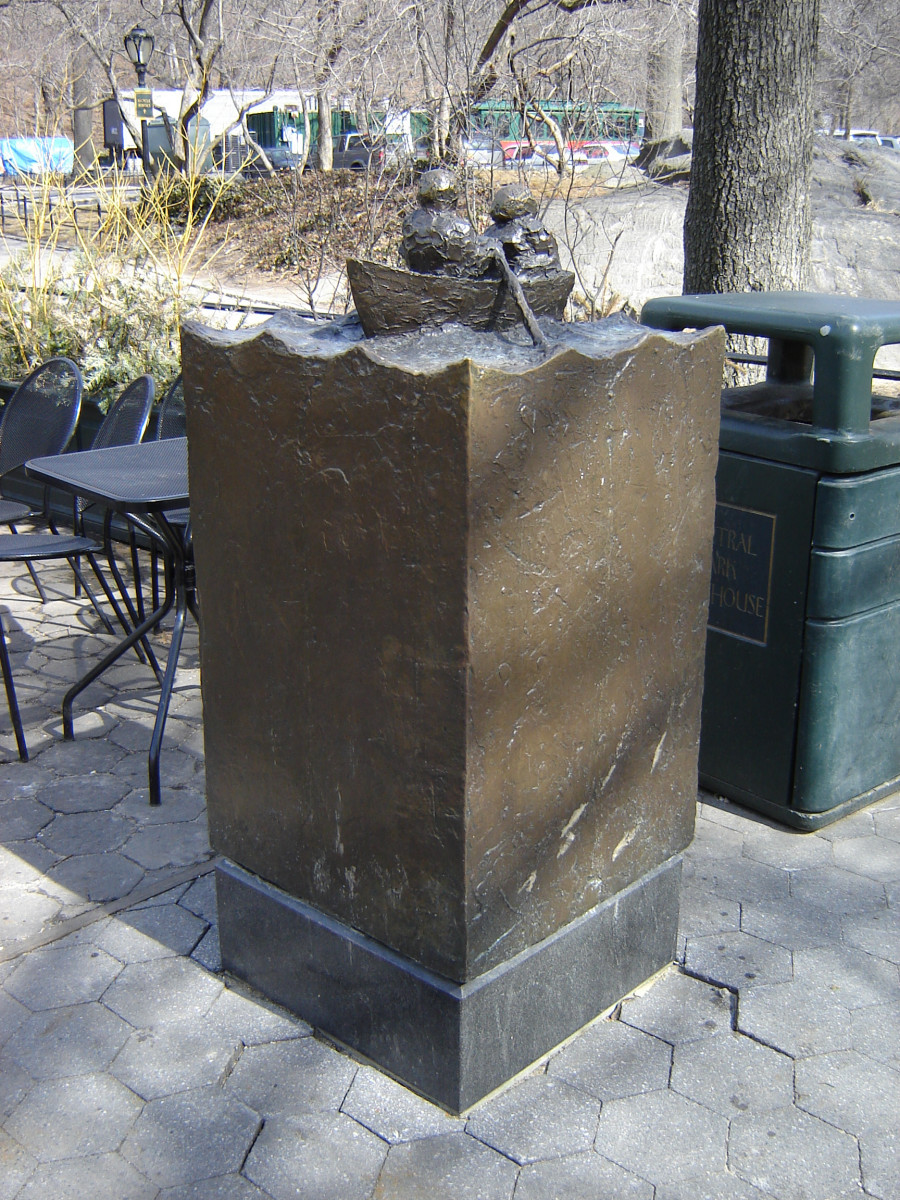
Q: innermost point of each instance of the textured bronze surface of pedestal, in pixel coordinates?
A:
(454, 605)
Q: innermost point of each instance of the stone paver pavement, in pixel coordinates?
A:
(765, 1063)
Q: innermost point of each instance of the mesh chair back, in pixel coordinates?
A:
(41, 415)
(126, 421)
(172, 420)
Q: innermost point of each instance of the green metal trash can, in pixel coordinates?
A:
(801, 708)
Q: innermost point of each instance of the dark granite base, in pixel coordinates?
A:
(452, 1043)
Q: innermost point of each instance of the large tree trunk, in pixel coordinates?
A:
(747, 225)
(664, 77)
(82, 114)
(326, 144)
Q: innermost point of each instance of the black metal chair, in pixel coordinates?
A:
(171, 422)
(124, 425)
(172, 419)
(28, 548)
(38, 419)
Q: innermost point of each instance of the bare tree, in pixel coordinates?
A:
(859, 65)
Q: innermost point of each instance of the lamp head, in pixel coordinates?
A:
(139, 46)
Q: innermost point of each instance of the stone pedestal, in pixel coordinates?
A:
(454, 607)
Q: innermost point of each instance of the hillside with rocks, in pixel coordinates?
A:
(627, 243)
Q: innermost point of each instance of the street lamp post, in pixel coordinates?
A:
(139, 47)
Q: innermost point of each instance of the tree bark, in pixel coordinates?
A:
(82, 114)
(325, 157)
(665, 77)
(747, 224)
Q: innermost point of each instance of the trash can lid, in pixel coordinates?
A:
(808, 316)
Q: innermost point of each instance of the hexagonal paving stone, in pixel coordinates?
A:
(875, 1032)
(853, 977)
(850, 1091)
(880, 1155)
(712, 840)
(176, 1057)
(319, 1156)
(872, 857)
(16, 1163)
(176, 845)
(787, 849)
(392, 1111)
(59, 977)
(167, 925)
(876, 932)
(181, 804)
(12, 1014)
(680, 1009)
(17, 871)
(81, 757)
(452, 1164)
(713, 1185)
(662, 1137)
(75, 1116)
(789, 924)
(68, 1041)
(200, 898)
(855, 825)
(15, 1083)
(223, 1187)
(787, 1153)
(138, 935)
(737, 960)
(741, 879)
(24, 914)
(611, 1060)
(700, 913)
(85, 832)
(541, 1117)
(254, 1019)
(208, 951)
(578, 1177)
(795, 1018)
(842, 892)
(163, 990)
(101, 1177)
(83, 793)
(22, 817)
(887, 823)
(190, 1136)
(97, 877)
(732, 1074)
(292, 1077)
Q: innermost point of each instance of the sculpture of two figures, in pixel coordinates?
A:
(437, 239)
(509, 275)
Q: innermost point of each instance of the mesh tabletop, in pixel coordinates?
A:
(149, 477)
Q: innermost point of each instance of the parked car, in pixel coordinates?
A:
(481, 149)
(281, 157)
(544, 156)
(352, 151)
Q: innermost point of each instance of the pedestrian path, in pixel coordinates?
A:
(765, 1063)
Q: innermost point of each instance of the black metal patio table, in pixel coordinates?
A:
(142, 483)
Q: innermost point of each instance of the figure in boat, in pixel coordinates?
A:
(436, 239)
(507, 276)
(528, 247)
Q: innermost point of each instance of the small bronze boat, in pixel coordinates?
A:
(393, 300)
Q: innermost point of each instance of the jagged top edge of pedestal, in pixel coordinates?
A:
(435, 348)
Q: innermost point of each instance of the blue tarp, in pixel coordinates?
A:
(37, 156)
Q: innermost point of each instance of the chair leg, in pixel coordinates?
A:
(32, 573)
(11, 700)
